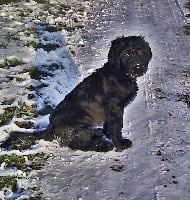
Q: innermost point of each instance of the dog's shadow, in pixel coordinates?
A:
(90, 118)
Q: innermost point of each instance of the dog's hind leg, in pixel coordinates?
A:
(90, 140)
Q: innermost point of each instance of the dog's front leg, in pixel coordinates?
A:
(113, 127)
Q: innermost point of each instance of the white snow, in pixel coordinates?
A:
(65, 76)
(57, 86)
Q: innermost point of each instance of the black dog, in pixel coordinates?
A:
(100, 100)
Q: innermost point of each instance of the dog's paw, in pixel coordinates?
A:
(125, 144)
(103, 146)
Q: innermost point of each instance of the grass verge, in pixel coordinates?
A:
(13, 62)
(8, 182)
(20, 110)
(8, 1)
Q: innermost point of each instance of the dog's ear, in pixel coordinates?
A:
(116, 46)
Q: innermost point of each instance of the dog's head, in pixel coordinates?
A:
(130, 55)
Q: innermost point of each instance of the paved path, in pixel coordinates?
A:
(157, 166)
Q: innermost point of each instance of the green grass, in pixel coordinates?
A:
(21, 162)
(7, 114)
(38, 87)
(36, 73)
(184, 98)
(80, 26)
(12, 36)
(19, 111)
(2, 46)
(38, 197)
(41, 1)
(55, 13)
(19, 143)
(8, 1)
(22, 144)
(66, 6)
(13, 160)
(24, 124)
(8, 182)
(46, 47)
(69, 28)
(52, 29)
(53, 66)
(35, 161)
(23, 14)
(33, 44)
(11, 62)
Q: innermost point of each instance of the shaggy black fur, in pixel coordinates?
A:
(100, 100)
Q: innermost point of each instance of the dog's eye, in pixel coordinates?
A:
(127, 53)
(139, 52)
(138, 66)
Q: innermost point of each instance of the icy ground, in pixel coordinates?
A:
(157, 167)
